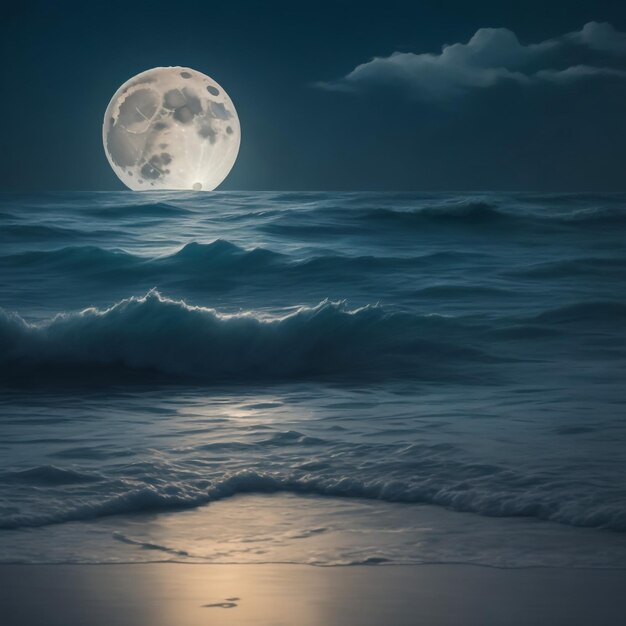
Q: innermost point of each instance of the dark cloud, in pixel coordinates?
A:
(491, 56)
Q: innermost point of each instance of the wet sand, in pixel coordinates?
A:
(171, 594)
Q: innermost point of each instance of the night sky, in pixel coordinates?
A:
(500, 115)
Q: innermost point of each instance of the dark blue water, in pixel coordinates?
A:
(159, 352)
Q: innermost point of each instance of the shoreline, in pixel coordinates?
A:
(290, 529)
(321, 566)
(192, 594)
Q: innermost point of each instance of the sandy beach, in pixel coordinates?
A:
(168, 594)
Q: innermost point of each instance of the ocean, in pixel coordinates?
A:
(323, 378)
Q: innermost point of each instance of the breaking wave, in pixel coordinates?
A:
(156, 334)
(473, 494)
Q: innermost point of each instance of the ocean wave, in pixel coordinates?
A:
(580, 267)
(603, 311)
(465, 497)
(156, 334)
(44, 234)
(219, 258)
(72, 258)
(193, 258)
(600, 215)
(51, 475)
(218, 254)
(37, 232)
(464, 291)
(353, 216)
(360, 266)
(473, 212)
(504, 215)
(483, 214)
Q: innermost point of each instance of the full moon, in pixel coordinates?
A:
(171, 128)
